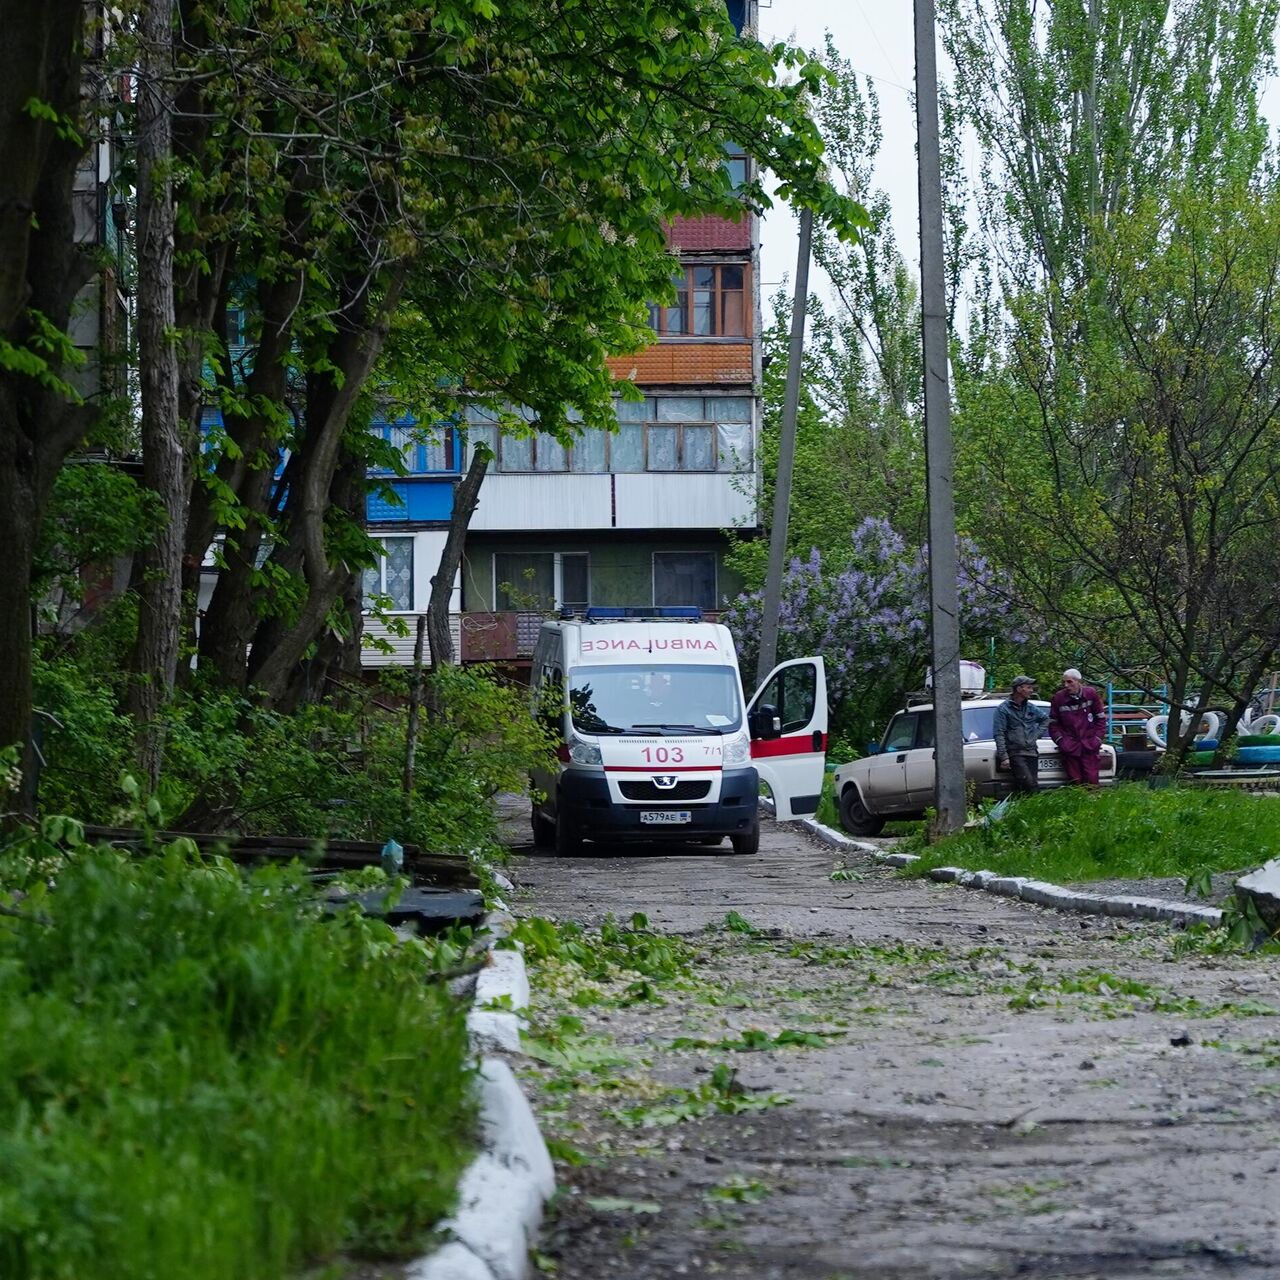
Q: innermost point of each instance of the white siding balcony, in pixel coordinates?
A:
(662, 500)
(534, 501)
(710, 500)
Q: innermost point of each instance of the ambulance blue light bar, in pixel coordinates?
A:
(609, 613)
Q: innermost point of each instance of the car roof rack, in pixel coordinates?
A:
(921, 696)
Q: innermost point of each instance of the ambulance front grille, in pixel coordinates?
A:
(690, 789)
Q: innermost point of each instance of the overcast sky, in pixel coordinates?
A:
(876, 36)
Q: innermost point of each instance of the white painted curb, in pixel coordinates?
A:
(1039, 892)
(503, 1191)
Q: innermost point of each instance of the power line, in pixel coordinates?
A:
(884, 52)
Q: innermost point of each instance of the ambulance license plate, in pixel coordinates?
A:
(1050, 762)
(664, 817)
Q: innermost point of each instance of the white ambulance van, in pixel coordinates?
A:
(657, 741)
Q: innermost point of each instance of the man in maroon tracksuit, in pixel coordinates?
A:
(1076, 724)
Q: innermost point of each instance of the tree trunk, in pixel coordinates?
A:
(322, 484)
(164, 454)
(466, 497)
(18, 520)
(42, 268)
(337, 644)
(415, 704)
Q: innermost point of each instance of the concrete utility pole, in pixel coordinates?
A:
(949, 799)
(786, 459)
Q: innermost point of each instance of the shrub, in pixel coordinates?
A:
(202, 1075)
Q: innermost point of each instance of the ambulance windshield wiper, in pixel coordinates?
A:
(683, 728)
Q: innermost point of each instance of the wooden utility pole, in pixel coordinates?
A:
(944, 607)
(786, 459)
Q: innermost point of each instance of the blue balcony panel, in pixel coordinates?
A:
(422, 499)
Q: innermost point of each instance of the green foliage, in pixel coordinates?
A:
(97, 514)
(1118, 443)
(85, 740)
(1125, 831)
(45, 351)
(859, 447)
(734, 922)
(63, 125)
(721, 1094)
(503, 234)
(615, 951)
(739, 1189)
(186, 1045)
(755, 1040)
(330, 769)
(845, 874)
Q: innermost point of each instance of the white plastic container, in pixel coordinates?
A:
(973, 678)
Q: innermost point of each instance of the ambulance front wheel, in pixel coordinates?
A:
(544, 831)
(568, 841)
(747, 844)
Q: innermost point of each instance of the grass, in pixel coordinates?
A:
(201, 1075)
(1123, 832)
(827, 814)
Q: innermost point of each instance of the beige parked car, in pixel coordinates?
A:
(897, 781)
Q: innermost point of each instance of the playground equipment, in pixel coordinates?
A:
(1207, 730)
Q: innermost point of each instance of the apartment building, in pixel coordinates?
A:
(636, 517)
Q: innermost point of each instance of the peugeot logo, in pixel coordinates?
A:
(664, 781)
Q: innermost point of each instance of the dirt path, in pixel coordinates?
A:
(978, 1088)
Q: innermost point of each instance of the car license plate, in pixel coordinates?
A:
(664, 817)
(1050, 762)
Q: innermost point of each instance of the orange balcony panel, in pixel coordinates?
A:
(697, 235)
(692, 364)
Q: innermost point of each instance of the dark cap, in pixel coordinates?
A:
(1017, 680)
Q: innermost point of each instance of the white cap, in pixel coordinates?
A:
(1072, 674)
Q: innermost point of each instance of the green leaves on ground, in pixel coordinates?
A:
(754, 1040)
(722, 1093)
(739, 1189)
(617, 1204)
(615, 951)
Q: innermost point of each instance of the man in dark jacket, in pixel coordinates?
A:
(1018, 724)
(1076, 724)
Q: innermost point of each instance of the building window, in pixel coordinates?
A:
(482, 430)
(541, 581)
(688, 447)
(422, 452)
(392, 576)
(710, 302)
(683, 433)
(531, 453)
(659, 433)
(235, 326)
(684, 577)
(737, 166)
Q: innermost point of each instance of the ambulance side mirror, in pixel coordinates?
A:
(764, 722)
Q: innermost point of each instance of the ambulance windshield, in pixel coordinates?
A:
(666, 699)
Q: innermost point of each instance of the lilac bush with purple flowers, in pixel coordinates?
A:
(869, 619)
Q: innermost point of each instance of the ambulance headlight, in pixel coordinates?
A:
(584, 752)
(736, 750)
